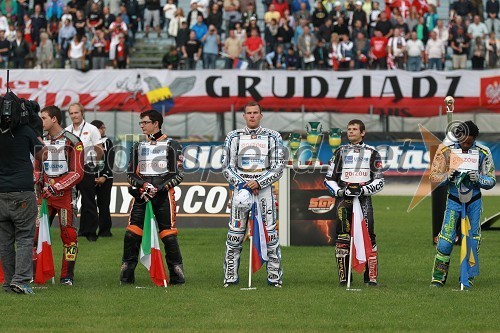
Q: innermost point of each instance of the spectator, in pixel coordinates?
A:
(341, 27)
(373, 17)
(412, 19)
(457, 22)
(202, 6)
(100, 50)
(492, 51)
(19, 50)
(72, 8)
(477, 29)
(378, 50)
(80, 23)
(434, 52)
(9, 8)
(416, 51)
(95, 19)
(333, 54)
(44, 52)
(182, 36)
(200, 28)
(421, 30)
(281, 6)
(288, 18)
(276, 59)
(461, 8)
(231, 13)
(215, 18)
(285, 35)
(292, 60)
(272, 13)
(66, 34)
(38, 23)
(248, 14)
(76, 53)
(100, 3)
(66, 15)
(328, 4)
(319, 16)
(397, 49)
(493, 24)
(241, 34)
(359, 15)
(460, 46)
(431, 18)
(114, 6)
(132, 10)
(176, 24)
(170, 12)
(191, 51)
(302, 14)
(108, 18)
(116, 28)
(192, 17)
(326, 30)
(321, 55)
(122, 55)
(297, 5)
(27, 29)
(54, 8)
(171, 60)
(384, 26)
(271, 35)
(367, 7)
(306, 45)
(232, 48)
(254, 47)
(442, 32)
(361, 51)
(346, 54)
(210, 44)
(245, 3)
(253, 25)
(403, 27)
(4, 24)
(357, 28)
(492, 9)
(4, 50)
(152, 13)
(478, 53)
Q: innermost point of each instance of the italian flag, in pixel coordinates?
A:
(150, 249)
(44, 259)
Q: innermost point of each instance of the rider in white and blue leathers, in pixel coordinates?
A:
(253, 158)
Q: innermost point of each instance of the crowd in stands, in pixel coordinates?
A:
(293, 34)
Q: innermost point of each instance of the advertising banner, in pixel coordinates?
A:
(395, 92)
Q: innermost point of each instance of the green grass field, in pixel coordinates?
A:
(310, 299)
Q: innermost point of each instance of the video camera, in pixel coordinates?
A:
(15, 111)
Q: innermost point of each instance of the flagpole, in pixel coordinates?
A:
(462, 229)
(250, 263)
(350, 263)
(53, 280)
(164, 283)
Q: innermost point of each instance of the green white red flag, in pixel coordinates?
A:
(44, 258)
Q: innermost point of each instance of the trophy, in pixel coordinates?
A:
(334, 138)
(314, 137)
(294, 144)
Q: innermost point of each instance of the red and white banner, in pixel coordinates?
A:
(398, 93)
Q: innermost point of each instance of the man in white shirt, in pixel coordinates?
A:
(434, 52)
(397, 49)
(442, 32)
(91, 138)
(415, 49)
(477, 29)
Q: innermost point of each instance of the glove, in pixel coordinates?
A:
(50, 191)
(148, 191)
(473, 176)
(340, 193)
(452, 174)
(353, 190)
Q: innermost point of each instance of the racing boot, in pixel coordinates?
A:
(131, 247)
(342, 258)
(371, 270)
(174, 259)
(440, 270)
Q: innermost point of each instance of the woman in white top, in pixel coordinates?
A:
(76, 53)
(176, 23)
(169, 10)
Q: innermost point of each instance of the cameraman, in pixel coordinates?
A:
(18, 209)
(210, 43)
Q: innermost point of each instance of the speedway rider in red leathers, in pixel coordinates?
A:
(62, 170)
(253, 158)
(355, 170)
(155, 168)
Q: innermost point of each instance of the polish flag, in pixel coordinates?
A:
(361, 239)
(44, 259)
(150, 249)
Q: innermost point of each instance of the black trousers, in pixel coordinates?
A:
(103, 193)
(88, 214)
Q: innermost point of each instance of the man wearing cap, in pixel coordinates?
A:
(253, 159)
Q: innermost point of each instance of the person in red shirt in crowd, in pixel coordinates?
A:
(280, 6)
(122, 58)
(378, 50)
(254, 49)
